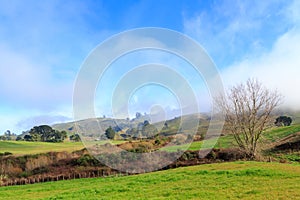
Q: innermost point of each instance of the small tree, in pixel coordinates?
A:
(166, 125)
(110, 133)
(75, 137)
(7, 135)
(283, 121)
(247, 109)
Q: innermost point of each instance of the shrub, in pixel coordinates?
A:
(283, 121)
(14, 171)
(87, 160)
(25, 174)
(40, 170)
(5, 154)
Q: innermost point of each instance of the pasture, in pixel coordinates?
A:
(238, 180)
(23, 147)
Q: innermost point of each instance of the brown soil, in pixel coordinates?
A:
(289, 143)
(62, 166)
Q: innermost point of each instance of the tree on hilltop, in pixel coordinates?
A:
(283, 121)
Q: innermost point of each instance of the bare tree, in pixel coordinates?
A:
(247, 109)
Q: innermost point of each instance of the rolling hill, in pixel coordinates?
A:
(95, 127)
(238, 180)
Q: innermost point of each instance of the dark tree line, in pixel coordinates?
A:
(45, 133)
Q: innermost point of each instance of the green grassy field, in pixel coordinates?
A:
(269, 136)
(222, 142)
(239, 180)
(22, 147)
(280, 132)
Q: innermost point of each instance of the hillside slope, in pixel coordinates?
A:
(239, 180)
(96, 126)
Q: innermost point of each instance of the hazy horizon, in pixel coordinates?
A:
(44, 44)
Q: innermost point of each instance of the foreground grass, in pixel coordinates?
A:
(239, 180)
(22, 147)
(293, 157)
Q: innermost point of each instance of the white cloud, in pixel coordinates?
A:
(23, 82)
(228, 31)
(277, 69)
(30, 89)
(260, 40)
(293, 13)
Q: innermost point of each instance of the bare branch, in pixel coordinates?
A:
(247, 109)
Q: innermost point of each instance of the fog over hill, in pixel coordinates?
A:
(97, 126)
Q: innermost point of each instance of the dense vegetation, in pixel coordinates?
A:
(45, 133)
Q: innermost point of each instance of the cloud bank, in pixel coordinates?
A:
(259, 41)
(278, 69)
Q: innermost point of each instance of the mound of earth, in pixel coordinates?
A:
(289, 143)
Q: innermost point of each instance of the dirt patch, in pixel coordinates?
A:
(62, 166)
(289, 143)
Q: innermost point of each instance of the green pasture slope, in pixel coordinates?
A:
(277, 133)
(227, 141)
(22, 147)
(238, 180)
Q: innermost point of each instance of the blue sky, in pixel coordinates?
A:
(44, 43)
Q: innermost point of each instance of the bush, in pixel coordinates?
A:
(283, 121)
(75, 137)
(19, 138)
(110, 133)
(157, 141)
(5, 154)
(25, 174)
(231, 154)
(87, 160)
(40, 170)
